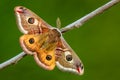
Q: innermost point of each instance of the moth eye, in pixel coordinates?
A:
(69, 57)
(48, 57)
(31, 40)
(31, 20)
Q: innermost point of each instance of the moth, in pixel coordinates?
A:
(46, 43)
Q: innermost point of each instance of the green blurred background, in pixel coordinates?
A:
(97, 42)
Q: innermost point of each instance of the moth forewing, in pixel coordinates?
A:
(28, 22)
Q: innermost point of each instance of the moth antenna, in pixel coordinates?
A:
(58, 23)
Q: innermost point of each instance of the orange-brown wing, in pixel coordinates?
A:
(28, 22)
(40, 47)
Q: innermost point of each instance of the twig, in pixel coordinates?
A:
(75, 24)
(84, 19)
(12, 60)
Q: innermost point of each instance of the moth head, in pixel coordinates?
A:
(70, 62)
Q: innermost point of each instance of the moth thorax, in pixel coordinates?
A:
(55, 32)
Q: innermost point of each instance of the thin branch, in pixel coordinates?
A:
(75, 24)
(12, 60)
(84, 19)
